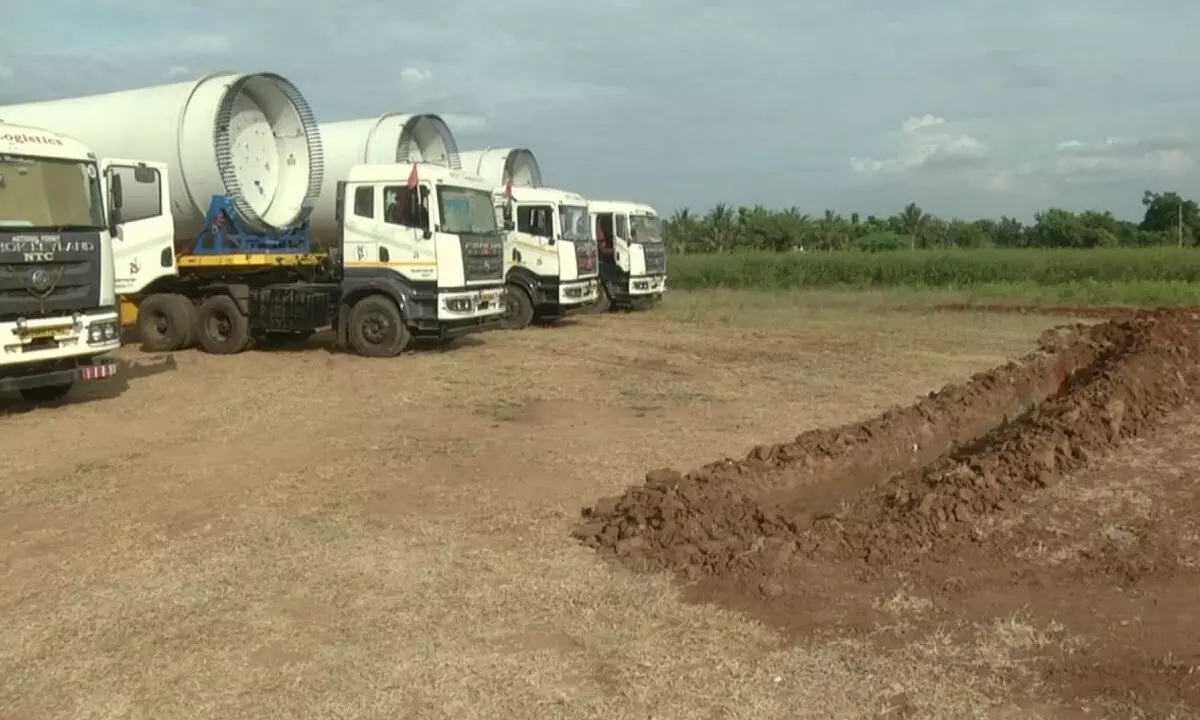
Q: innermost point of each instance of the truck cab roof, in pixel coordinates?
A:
(426, 172)
(36, 142)
(546, 195)
(621, 206)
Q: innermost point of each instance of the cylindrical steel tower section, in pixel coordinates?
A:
(249, 136)
(387, 139)
(497, 165)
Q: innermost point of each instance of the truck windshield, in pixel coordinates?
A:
(645, 228)
(49, 194)
(574, 222)
(466, 211)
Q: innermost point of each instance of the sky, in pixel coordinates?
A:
(965, 107)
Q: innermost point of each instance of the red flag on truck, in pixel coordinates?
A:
(412, 177)
(508, 188)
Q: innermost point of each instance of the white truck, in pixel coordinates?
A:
(418, 256)
(430, 243)
(553, 260)
(552, 257)
(633, 256)
(58, 303)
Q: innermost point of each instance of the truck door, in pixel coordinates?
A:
(602, 230)
(408, 239)
(360, 218)
(144, 246)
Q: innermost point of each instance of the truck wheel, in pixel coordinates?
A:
(377, 328)
(518, 308)
(45, 393)
(221, 326)
(166, 322)
(185, 309)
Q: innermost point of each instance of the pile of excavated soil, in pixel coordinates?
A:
(1148, 373)
(1059, 310)
(913, 481)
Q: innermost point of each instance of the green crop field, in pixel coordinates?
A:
(1110, 276)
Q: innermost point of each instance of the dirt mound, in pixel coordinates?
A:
(1079, 311)
(913, 481)
(1150, 372)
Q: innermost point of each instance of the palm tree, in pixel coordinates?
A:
(721, 228)
(682, 232)
(910, 219)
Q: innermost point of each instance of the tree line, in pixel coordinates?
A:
(1169, 219)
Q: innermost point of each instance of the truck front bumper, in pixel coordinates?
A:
(560, 298)
(65, 371)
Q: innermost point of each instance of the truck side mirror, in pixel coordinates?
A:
(115, 200)
(115, 195)
(418, 215)
(339, 204)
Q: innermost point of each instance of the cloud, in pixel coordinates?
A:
(770, 112)
(415, 76)
(925, 142)
(1027, 178)
(464, 124)
(1119, 157)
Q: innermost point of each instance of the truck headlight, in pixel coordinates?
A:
(101, 332)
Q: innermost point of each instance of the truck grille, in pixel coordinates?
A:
(585, 257)
(483, 257)
(656, 258)
(58, 282)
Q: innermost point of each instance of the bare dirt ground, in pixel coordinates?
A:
(969, 504)
(305, 534)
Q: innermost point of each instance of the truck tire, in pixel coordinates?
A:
(518, 307)
(186, 311)
(45, 393)
(221, 327)
(377, 328)
(166, 322)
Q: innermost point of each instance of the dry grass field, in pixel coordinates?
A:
(310, 535)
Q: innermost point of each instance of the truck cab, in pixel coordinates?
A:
(59, 211)
(428, 235)
(553, 267)
(633, 256)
